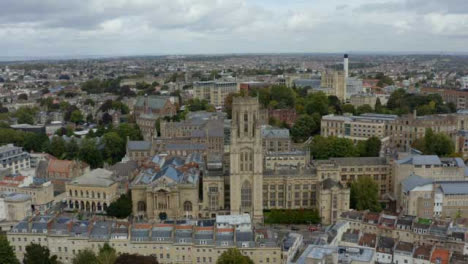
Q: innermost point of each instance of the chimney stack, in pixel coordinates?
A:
(345, 65)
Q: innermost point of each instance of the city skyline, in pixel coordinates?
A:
(120, 28)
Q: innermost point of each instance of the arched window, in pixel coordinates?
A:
(87, 194)
(71, 193)
(81, 193)
(92, 194)
(187, 206)
(76, 193)
(246, 160)
(104, 195)
(141, 206)
(246, 195)
(99, 195)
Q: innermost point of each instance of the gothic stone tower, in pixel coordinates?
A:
(246, 158)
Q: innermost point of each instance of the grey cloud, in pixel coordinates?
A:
(418, 6)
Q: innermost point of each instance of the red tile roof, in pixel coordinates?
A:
(61, 166)
(440, 256)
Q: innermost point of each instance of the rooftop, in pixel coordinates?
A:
(455, 188)
(97, 177)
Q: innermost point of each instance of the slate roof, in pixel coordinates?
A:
(421, 160)
(274, 132)
(330, 183)
(174, 168)
(369, 161)
(124, 169)
(154, 102)
(454, 188)
(139, 145)
(414, 181)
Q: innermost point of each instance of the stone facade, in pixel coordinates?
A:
(184, 242)
(62, 171)
(246, 158)
(214, 92)
(92, 192)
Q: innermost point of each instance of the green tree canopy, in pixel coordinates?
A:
(7, 254)
(435, 143)
(114, 147)
(86, 256)
(317, 103)
(303, 128)
(76, 116)
(25, 115)
(284, 96)
(134, 258)
(120, 208)
(57, 147)
(107, 255)
(362, 109)
(333, 147)
(72, 149)
(233, 256)
(349, 108)
(371, 147)
(365, 194)
(90, 154)
(37, 254)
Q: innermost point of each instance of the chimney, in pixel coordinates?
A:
(345, 65)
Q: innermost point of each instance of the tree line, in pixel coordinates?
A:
(107, 144)
(292, 216)
(335, 147)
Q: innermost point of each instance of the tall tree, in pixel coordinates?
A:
(283, 95)
(90, 154)
(372, 147)
(365, 194)
(134, 258)
(114, 147)
(72, 150)
(378, 106)
(349, 108)
(76, 116)
(107, 255)
(120, 208)
(37, 254)
(57, 147)
(25, 115)
(362, 109)
(317, 103)
(233, 256)
(303, 128)
(7, 254)
(86, 256)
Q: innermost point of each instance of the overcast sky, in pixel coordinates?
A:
(134, 27)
